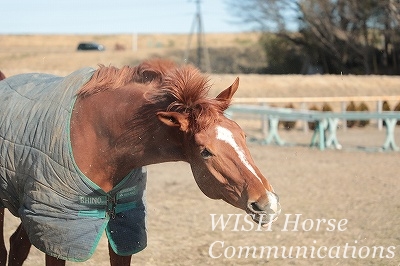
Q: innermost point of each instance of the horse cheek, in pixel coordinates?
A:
(209, 186)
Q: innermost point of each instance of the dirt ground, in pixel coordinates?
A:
(355, 190)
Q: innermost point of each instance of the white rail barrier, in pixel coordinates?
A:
(326, 122)
(303, 101)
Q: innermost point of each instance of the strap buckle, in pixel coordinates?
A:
(111, 205)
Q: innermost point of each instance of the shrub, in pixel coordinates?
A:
(363, 108)
(282, 55)
(385, 106)
(351, 107)
(326, 108)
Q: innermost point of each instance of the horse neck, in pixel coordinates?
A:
(110, 136)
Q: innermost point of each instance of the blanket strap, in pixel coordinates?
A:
(108, 205)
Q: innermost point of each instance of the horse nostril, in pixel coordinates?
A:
(269, 204)
(265, 210)
(256, 207)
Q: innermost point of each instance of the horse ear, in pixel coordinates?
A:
(174, 119)
(228, 92)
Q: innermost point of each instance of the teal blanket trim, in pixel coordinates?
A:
(103, 213)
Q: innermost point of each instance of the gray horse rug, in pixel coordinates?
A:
(62, 210)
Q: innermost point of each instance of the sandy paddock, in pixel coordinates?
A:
(355, 191)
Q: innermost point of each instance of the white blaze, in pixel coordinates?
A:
(227, 136)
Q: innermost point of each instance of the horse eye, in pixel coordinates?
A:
(206, 154)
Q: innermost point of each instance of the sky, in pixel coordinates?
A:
(114, 16)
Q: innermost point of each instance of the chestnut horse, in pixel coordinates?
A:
(124, 119)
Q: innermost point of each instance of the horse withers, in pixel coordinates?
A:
(77, 156)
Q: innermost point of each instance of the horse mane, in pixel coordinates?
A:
(171, 87)
(2, 76)
(106, 78)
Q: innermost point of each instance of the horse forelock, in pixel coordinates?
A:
(187, 90)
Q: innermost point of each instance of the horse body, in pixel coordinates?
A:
(124, 119)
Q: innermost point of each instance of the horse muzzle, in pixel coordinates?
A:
(265, 214)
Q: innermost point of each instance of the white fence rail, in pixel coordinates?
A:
(303, 101)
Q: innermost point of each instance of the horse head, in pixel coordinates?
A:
(215, 147)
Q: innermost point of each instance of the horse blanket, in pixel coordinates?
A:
(62, 210)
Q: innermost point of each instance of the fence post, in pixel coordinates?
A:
(344, 120)
(264, 123)
(379, 107)
(303, 107)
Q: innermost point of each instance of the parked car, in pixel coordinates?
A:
(85, 46)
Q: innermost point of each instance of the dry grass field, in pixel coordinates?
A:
(57, 53)
(356, 191)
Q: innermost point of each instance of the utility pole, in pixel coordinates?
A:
(202, 60)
